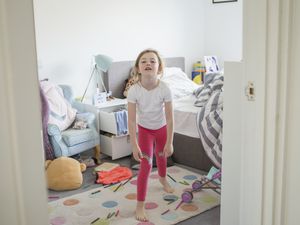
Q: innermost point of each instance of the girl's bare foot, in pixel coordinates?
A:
(166, 185)
(140, 214)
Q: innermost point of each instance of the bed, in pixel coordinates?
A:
(188, 148)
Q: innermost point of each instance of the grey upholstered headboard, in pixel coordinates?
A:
(115, 77)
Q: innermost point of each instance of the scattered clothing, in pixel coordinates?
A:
(113, 176)
(121, 120)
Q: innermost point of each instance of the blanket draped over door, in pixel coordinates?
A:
(210, 117)
(48, 150)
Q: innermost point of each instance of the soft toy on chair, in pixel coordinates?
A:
(64, 173)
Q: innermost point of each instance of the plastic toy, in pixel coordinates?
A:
(198, 185)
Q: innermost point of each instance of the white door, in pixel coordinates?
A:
(261, 178)
(23, 195)
(244, 123)
(291, 181)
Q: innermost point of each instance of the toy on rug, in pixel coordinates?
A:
(113, 176)
(64, 173)
(199, 185)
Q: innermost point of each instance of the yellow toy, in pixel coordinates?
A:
(64, 173)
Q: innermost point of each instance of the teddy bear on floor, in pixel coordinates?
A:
(64, 173)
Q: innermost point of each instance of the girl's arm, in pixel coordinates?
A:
(168, 150)
(132, 131)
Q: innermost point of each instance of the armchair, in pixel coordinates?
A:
(73, 141)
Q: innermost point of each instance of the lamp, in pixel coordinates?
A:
(102, 64)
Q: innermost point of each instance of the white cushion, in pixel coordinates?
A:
(61, 112)
(179, 82)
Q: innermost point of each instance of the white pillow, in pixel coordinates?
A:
(61, 112)
(179, 82)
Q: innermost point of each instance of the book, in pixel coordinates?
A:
(211, 64)
(106, 166)
(210, 174)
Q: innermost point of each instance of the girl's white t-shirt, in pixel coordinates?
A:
(150, 104)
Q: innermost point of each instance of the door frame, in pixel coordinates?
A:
(262, 150)
(23, 188)
(265, 62)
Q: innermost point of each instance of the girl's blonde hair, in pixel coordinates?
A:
(161, 66)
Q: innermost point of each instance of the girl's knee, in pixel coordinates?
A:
(146, 164)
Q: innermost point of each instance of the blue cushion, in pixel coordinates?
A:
(73, 136)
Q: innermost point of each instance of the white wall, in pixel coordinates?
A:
(223, 25)
(69, 33)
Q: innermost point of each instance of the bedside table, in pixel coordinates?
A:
(111, 143)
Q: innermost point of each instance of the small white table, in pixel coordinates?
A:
(112, 103)
(111, 143)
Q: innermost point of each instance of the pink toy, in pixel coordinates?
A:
(198, 185)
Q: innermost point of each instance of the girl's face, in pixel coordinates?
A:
(149, 64)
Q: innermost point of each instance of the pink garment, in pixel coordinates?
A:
(148, 139)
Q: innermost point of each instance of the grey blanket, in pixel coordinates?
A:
(210, 117)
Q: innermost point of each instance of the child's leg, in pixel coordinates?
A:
(161, 160)
(145, 139)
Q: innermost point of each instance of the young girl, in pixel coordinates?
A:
(151, 99)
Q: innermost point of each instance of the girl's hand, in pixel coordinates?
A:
(168, 150)
(137, 154)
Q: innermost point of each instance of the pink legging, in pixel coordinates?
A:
(147, 140)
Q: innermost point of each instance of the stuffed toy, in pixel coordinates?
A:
(64, 173)
(133, 79)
